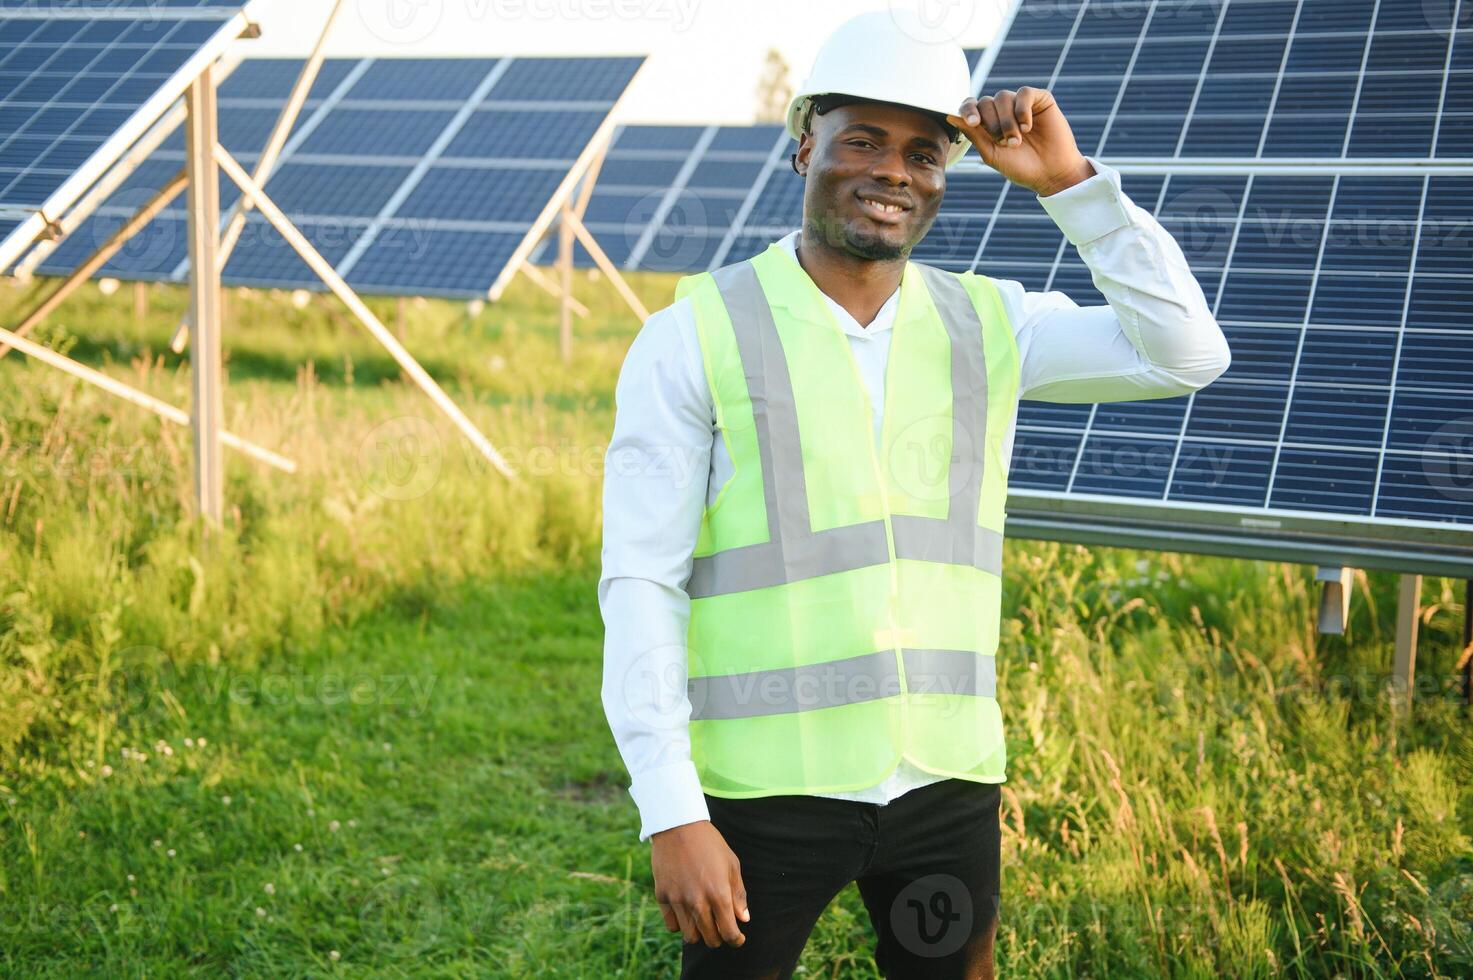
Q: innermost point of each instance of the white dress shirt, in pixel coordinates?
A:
(665, 461)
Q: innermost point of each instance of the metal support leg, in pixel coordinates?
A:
(1466, 658)
(565, 281)
(1334, 598)
(206, 408)
(1403, 668)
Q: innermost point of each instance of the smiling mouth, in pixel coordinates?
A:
(889, 214)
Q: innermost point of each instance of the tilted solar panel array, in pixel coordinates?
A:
(411, 176)
(1251, 78)
(670, 197)
(73, 76)
(1345, 297)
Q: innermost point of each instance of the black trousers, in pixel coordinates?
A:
(926, 864)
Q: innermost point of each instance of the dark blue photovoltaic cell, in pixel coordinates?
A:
(1435, 482)
(565, 79)
(1054, 415)
(1336, 415)
(952, 242)
(749, 139)
(681, 138)
(1352, 356)
(1324, 480)
(1222, 473)
(1238, 411)
(1161, 415)
(350, 131)
(1125, 466)
(350, 190)
(675, 250)
(696, 209)
(780, 204)
(418, 260)
(539, 134)
(263, 258)
(1043, 461)
(474, 194)
(422, 79)
(734, 174)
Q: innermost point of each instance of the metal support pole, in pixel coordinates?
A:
(565, 281)
(551, 288)
(1334, 598)
(1466, 658)
(1403, 668)
(609, 269)
(206, 407)
(140, 304)
(329, 276)
(269, 154)
(140, 398)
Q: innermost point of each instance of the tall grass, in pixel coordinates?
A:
(1198, 785)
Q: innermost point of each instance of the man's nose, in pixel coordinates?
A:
(890, 167)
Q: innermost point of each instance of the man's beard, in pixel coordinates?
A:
(865, 245)
(873, 247)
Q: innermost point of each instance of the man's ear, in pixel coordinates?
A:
(805, 150)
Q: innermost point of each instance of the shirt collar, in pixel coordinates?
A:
(884, 319)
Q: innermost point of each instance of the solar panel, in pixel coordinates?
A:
(80, 82)
(412, 176)
(1343, 288)
(1254, 79)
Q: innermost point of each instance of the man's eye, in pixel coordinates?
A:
(860, 142)
(926, 159)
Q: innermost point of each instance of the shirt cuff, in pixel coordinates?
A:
(1090, 209)
(668, 796)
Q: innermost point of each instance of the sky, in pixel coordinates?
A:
(705, 56)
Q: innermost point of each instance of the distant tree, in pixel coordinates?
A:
(773, 88)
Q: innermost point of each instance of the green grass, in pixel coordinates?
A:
(364, 717)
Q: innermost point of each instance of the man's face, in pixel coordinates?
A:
(875, 176)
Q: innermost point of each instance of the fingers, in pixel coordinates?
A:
(968, 113)
(1023, 107)
(667, 912)
(1006, 115)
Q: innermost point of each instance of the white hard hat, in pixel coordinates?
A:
(883, 56)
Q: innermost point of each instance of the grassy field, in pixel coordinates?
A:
(359, 731)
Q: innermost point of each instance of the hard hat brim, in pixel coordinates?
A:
(799, 112)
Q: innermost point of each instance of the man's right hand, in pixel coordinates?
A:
(698, 884)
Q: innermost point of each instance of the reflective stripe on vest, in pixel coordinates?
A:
(794, 550)
(837, 682)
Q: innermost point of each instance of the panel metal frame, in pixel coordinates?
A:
(39, 222)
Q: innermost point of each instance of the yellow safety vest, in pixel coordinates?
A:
(844, 603)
